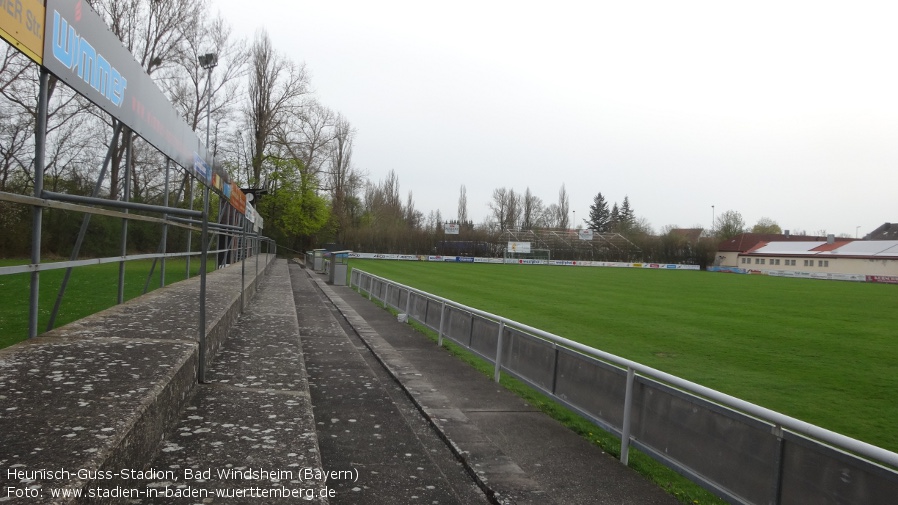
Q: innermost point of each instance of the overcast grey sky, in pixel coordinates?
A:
(780, 109)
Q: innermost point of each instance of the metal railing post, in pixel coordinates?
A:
(165, 225)
(442, 317)
(628, 408)
(126, 195)
(777, 488)
(242, 254)
(190, 184)
(201, 371)
(498, 371)
(40, 141)
(408, 302)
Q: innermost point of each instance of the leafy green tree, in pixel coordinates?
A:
(728, 225)
(293, 209)
(766, 225)
(599, 215)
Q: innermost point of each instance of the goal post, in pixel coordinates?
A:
(531, 256)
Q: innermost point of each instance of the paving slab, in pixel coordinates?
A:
(521, 455)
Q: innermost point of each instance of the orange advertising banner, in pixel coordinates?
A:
(238, 199)
(22, 25)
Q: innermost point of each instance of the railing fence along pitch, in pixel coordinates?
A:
(742, 452)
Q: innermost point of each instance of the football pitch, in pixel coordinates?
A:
(825, 352)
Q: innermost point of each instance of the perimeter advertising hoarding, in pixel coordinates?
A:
(22, 25)
(519, 247)
(81, 50)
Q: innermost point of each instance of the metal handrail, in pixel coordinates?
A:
(871, 452)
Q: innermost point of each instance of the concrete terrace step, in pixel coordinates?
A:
(252, 418)
(94, 397)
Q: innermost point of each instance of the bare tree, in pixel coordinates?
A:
(154, 32)
(532, 207)
(515, 209)
(499, 207)
(308, 135)
(564, 207)
(343, 181)
(463, 206)
(276, 89)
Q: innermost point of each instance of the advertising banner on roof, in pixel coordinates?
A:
(22, 25)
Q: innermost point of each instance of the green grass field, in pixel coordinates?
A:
(821, 351)
(90, 290)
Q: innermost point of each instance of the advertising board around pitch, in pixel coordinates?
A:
(519, 247)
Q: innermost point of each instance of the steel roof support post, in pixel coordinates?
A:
(126, 195)
(201, 371)
(628, 408)
(40, 141)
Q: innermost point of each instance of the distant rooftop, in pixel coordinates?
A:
(887, 231)
(847, 249)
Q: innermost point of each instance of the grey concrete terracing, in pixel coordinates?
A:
(98, 394)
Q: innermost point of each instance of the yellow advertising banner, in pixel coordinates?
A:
(22, 25)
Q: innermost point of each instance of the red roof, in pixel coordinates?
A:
(748, 241)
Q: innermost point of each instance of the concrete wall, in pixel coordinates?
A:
(832, 264)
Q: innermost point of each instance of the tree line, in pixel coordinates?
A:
(267, 129)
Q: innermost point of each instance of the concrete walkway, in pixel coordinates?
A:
(513, 452)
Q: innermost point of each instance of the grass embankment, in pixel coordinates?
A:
(90, 290)
(823, 352)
